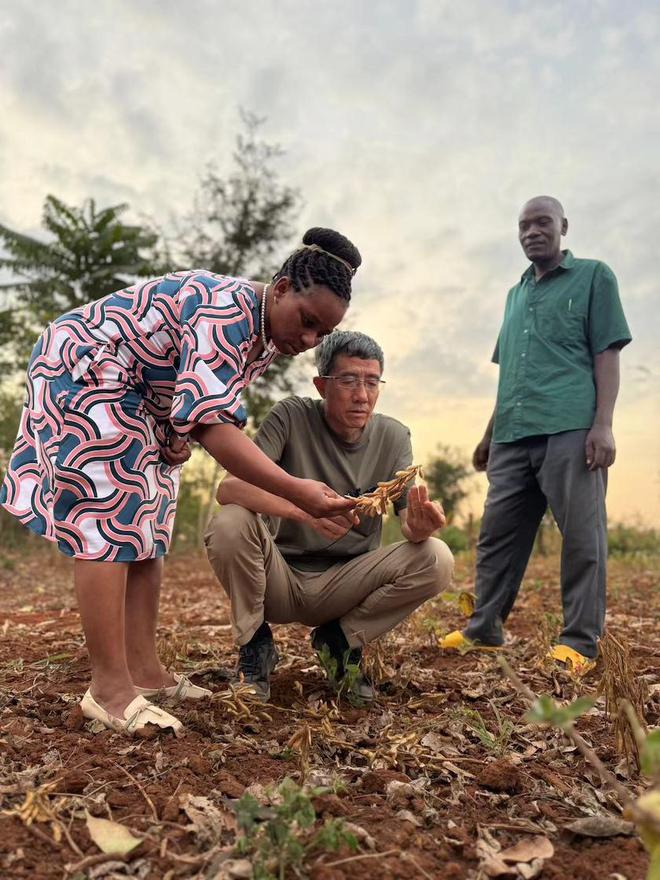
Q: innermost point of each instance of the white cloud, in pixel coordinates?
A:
(418, 128)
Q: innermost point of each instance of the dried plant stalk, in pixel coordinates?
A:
(375, 503)
(621, 683)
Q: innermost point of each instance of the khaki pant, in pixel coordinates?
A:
(370, 595)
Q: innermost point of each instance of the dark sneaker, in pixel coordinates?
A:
(256, 661)
(341, 663)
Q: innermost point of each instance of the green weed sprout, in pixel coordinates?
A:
(281, 836)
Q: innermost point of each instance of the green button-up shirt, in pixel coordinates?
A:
(552, 329)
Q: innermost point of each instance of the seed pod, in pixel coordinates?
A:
(375, 503)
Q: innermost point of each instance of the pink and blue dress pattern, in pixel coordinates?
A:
(107, 385)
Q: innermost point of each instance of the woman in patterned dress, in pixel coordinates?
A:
(115, 389)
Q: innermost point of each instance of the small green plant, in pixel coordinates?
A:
(546, 711)
(328, 664)
(346, 686)
(434, 628)
(282, 835)
(496, 741)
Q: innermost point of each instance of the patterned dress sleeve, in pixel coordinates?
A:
(216, 331)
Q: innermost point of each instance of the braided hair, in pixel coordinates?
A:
(308, 265)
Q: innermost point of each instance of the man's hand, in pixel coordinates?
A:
(480, 456)
(317, 499)
(177, 451)
(423, 517)
(599, 447)
(334, 527)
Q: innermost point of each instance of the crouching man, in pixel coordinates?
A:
(279, 565)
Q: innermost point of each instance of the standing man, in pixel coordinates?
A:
(280, 565)
(549, 441)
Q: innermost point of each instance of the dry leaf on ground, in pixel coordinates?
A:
(111, 837)
(600, 826)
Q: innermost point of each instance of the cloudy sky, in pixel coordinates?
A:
(417, 127)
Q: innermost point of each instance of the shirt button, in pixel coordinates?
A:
(525, 331)
(522, 355)
(518, 403)
(531, 308)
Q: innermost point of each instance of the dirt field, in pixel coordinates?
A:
(430, 782)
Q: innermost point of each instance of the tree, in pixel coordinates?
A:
(89, 253)
(11, 405)
(446, 475)
(239, 226)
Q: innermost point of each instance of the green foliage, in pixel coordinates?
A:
(12, 532)
(280, 836)
(240, 224)
(447, 475)
(625, 540)
(546, 711)
(328, 664)
(456, 539)
(650, 755)
(87, 254)
(10, 413)
(495, 741)
(347, 685)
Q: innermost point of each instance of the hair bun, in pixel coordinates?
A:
(335, 243)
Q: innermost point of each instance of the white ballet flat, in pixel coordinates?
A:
(137, 715)
(184, 689)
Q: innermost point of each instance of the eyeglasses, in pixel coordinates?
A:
(350, 381)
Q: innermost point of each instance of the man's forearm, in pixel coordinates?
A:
(606, 379)
(235, 491)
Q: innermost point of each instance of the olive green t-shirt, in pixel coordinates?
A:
(551, 331)
(296, 436)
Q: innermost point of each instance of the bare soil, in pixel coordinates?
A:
(441, 763)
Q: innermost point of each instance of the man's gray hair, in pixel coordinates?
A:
(350, 343)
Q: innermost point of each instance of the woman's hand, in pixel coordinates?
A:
(317, 499)
(177, 451)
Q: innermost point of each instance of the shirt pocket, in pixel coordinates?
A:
(562, 323)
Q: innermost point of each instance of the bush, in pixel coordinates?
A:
(625, 540)
(456, 539)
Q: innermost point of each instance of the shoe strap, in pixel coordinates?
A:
(182, 685)
(140, 705)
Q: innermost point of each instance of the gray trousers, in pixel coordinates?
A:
(524, 478)
(369, 595)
